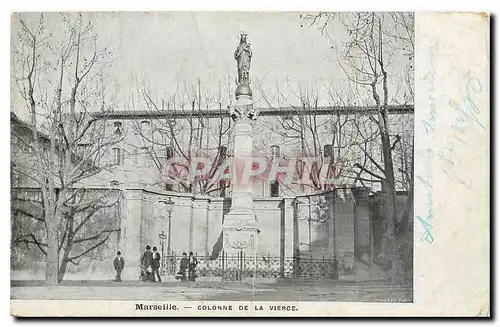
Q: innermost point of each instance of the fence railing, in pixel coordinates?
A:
(236, 266)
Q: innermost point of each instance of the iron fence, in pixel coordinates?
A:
(236, 266)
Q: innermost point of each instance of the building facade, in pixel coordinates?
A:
(298, 216)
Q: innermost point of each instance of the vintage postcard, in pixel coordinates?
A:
(249, 164)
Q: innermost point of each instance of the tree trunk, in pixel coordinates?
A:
(403, 226)
(52, 263)
(67, 247)
(389, 189)
(62, 269)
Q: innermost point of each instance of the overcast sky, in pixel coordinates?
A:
(168, 49)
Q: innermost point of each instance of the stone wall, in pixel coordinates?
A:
(196, 222)
(196, 225)
(380, 226)
(362, 226)
(351, 231)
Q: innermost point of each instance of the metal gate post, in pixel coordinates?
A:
(240, 272)
(222, 265)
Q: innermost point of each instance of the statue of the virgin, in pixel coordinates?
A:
(243, 56)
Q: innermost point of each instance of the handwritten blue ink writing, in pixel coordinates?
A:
(426, 181)
(471, 110)
(429, 125)
(466, 118)
(430, 121)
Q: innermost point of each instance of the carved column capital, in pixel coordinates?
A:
(246, 113)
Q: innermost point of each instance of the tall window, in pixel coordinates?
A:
(146, 153)
(328, 151)
(275, 189)
(118, 128)
(118, 156)
(169, 152)
(275, 186)
(145, 127)
(275, 152)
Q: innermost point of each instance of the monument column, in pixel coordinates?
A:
(240, 224)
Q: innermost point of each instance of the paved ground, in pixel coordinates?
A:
(214, 290)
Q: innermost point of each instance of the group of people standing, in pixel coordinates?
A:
(188, 264)
(150, 266)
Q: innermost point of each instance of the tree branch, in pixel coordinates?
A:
(357, 165)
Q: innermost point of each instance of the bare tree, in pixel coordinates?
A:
(62, 78)
(194, 136)
(332, 139)
(368, 56)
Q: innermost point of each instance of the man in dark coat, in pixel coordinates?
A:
(192, 267)
(184, 266)
(156, 264)
(146, 263)
(119, 264)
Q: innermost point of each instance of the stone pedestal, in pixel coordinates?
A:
(240, 224)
